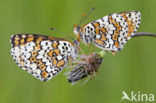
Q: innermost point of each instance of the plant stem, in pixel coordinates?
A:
(144, 34)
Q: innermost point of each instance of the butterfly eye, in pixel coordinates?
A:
(78, 28)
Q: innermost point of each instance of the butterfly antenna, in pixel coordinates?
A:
(61, 33)
(57, 31)
(84, 18)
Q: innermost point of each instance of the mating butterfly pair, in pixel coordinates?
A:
(45, 56)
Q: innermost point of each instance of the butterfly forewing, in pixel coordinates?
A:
(112, 31)
(42, 56)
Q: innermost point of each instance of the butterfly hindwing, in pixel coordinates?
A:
(112, 31)
(42, 56)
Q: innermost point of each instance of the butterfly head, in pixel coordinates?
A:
(77, 32)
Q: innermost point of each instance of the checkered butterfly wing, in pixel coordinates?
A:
(42, 56)
(112, 31)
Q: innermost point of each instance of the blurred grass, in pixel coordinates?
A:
(134, 68)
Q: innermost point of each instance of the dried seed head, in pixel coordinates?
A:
(86, 66)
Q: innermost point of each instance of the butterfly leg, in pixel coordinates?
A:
(70, 62)
(82, 51)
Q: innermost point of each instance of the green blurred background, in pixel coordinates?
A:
(132, 69)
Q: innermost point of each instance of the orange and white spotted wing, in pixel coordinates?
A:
(110, 32)
(42, 56)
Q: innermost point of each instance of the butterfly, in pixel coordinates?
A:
(111, 32)
(42, 56)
